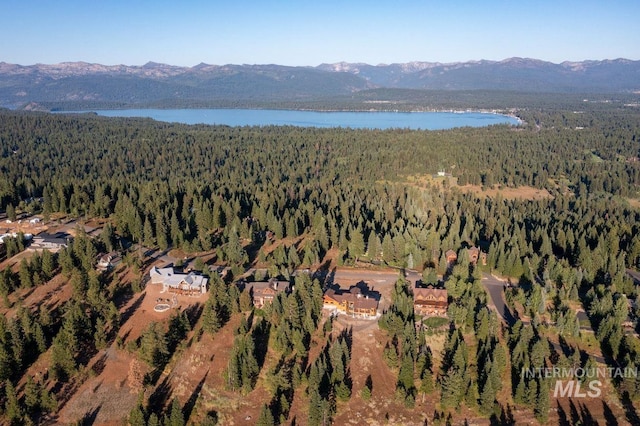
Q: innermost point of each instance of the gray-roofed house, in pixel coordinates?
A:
(50, 241)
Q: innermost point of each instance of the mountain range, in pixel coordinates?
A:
(80, 83)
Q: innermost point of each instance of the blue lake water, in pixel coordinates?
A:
(355, 120)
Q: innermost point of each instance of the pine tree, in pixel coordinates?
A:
(148, 238)
(176, 417)
(48, 264)
(26, 278)
(12, 409)
(266, 417)
(136, 416)
(373, 245)
(541, 407)
(100, 335)
(356, 243)
(63, 361)
(11, 212)
(108, 236)
(453, 388)
(487, 398)
(367, 389)
(405, 378)
(426, 383)
(153, 420)
(31, 396)
(39, 337)
(211, 319)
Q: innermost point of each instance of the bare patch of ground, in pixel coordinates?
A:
(521, 192)
(108, 395)
(634, 202)
(55, 293)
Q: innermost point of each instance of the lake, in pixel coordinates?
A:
(356, 120)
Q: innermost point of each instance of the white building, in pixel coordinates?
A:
(175, 282)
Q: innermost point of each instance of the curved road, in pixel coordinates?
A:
(495, 288)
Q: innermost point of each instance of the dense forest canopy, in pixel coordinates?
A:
(592, 148)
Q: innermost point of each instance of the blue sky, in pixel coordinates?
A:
(133, 32)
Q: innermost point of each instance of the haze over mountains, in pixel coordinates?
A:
(79, 83)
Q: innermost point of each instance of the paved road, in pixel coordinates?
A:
(495, 288)
(156, 256)
(634, 274)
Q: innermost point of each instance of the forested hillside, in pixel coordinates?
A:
(341, 196)
(74, 84)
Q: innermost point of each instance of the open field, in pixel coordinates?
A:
(521, 192)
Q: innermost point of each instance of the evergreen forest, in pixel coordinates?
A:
(295, 198)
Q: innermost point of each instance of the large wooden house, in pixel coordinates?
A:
(351, 302)
(263, 292)
(430, 301)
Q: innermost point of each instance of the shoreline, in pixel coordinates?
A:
(178, 116)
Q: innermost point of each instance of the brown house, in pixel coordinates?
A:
(474, 254)
(451, 257)
(263, 293)
(430, 301)
(351, 302)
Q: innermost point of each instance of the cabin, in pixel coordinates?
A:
(106, 262)
(180, 283)
(263, 293)
(430, 301)
(451, 257)
(474, 254)
(353, 302)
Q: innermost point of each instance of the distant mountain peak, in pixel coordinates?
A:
(157, 82)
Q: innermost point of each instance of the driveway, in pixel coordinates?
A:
(495, 288)
(635, 275)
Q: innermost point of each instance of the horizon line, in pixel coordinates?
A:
(380, 64)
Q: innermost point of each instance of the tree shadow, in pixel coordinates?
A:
(368, 383)
(505, 418)
(609, 417)
(160, 396)
(575, 416)
(260, 334)
(586, 416)
(131, 309)
(89, 418)
(98, 366)
(581, 415)
(328, 281)
(629, 409)
(562, 416)
(191, 402)
(507, 315)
